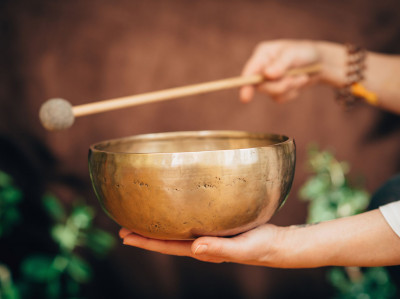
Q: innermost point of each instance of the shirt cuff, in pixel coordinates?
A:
(391, 212)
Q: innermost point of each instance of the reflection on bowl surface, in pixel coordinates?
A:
(182, 185)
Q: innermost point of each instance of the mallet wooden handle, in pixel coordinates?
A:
(178, 92)
(58, 114)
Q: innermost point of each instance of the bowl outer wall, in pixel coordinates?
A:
(189, 194)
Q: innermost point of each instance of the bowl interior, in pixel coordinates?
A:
(189, 142)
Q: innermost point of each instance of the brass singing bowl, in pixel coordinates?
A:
(183, 185)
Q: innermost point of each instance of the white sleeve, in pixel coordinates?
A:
(391, 212)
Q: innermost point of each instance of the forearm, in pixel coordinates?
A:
(381, 74)
(382, 77)
(362, 240)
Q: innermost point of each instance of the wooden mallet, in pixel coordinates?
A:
(58, 114)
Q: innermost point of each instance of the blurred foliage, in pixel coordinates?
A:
(8, 290)
(329, 191)
(332, 195)
(372, 283)
(56, 275)
(10, 197)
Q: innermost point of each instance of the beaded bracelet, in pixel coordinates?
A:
(353, 89)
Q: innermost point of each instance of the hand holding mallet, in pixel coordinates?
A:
(58, 114)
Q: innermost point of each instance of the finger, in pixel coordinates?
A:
(246, 93)
(256, 63)
(181, 248)
(290, 95)
(124, 232)
(278, 88)
(280, 65)
(253, 66)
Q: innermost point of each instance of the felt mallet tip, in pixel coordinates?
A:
(56, 114)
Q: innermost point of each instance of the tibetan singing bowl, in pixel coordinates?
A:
(188, 184)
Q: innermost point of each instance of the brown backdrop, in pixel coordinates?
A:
(91, 50)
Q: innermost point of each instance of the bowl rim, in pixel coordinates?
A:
(201, 133)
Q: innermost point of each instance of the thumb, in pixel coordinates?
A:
(224, 248)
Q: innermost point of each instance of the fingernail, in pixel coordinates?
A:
(123, 233)
(200, 249)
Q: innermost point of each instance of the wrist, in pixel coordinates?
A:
(291, 248)
(303, 246)
(333, 61)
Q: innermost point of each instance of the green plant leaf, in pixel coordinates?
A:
(5, 179)
(60, 262)
(8, 220)
(79, 270)
(99, 241)
(64, 236)
(82, 216)
(360, 200)
(314, 187)
(39, 268)
(8, 290)
(73, 287)
(339, 280)
(54, 208)
(10, 195)
(54, 289)
(320, 210)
